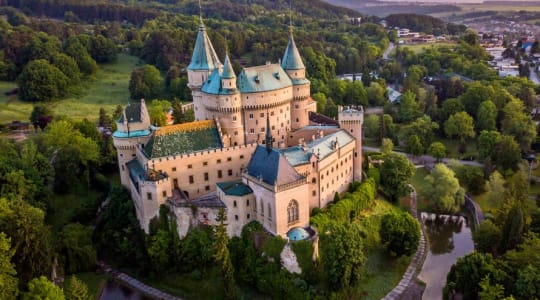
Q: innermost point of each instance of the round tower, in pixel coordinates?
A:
(203, 62)
(229, 105)
(302, 103)
(351, 119)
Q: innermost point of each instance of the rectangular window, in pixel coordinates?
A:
(229, 172)
(262, 115)
(205, 176)
(189, 166)
(174, 169)
(251, 116)
(219, 174)
(164, 194)
(229, 158)
(247, 202)
(149, 196)
(251, 130)
(248, 216)
(207, 188)
(219, 161)
(191, 179)
(205, 163)
(122, 167)
(241, 156)
(236, 217)
(263, 129)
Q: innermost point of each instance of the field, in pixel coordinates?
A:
(109, 89)
(419, 48)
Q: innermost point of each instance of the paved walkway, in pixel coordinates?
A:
(135, 284)
(409, 278)
(289, 261)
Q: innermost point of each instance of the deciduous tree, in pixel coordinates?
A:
(443, 189)
(396, 171)
(41, 81)
(8, 278)
(42, 288)
(145, 82)
(400, 232)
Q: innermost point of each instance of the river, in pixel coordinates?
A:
(449, 239)
(115, 291)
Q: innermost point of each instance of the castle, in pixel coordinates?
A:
(256, 148)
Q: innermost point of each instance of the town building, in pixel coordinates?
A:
(254, 149)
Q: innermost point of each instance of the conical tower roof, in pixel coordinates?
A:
(292, 59)
(204, 56)
(228, 71)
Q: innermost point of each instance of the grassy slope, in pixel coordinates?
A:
(109, 89)
(419, 48)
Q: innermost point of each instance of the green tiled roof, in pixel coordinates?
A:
(228, 71)
(234, 188)
(204, 56)
(263, 78)
(322, 147)
(213, 85)
(181, 139)
(292, 59)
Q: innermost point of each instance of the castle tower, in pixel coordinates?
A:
(229, 104)
(351, 119)
(203, 62)
(133, 129)
(302, 102)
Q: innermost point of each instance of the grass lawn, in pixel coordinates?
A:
(93, 280)
(109, 89)
(420, 185)
(452, 149)
(419, 48)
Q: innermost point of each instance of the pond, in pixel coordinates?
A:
(116, 291)
(449, 239)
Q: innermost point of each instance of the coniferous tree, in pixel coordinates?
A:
(223, 257)
(76, 290)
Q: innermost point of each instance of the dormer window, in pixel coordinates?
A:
(257, 79)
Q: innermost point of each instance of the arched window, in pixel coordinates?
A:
(292, 211)
(269, 212)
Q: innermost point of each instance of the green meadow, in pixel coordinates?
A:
(108, 89)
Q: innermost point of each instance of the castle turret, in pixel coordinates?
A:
(203, 62)
(351, 119)
(302, 103)
(133, 128)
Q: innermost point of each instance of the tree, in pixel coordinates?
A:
(467, 273)
(376, 94)
(342, 255)
(105, 119)
(396, 171)
(527, 285)
(414, 146)
(159, 250)
(68, 66)
(223, 257)
(475, 94)
(512, 232)
(76, 290)
(507, 153)
(8, 278)
(486, 116)
(372, 126)
(145, 82)
(400, 232)
(76, 246)
(42, 115)
(443, 189)
(422, 127)
(487, 237)
(437, 150)
(42, 289)
(71, 153)
(487, 144)
(320, 98)
(460, 125)
(449, 107)
(41, 81)
(518, 124)
(158, 110)
(490, 292)
(30, 239)
(495, 189)
(408, 107)
(387, 146)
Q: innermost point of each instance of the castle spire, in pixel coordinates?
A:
(204, 56)
(228, 71)
(268, 133)
(292, 59)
